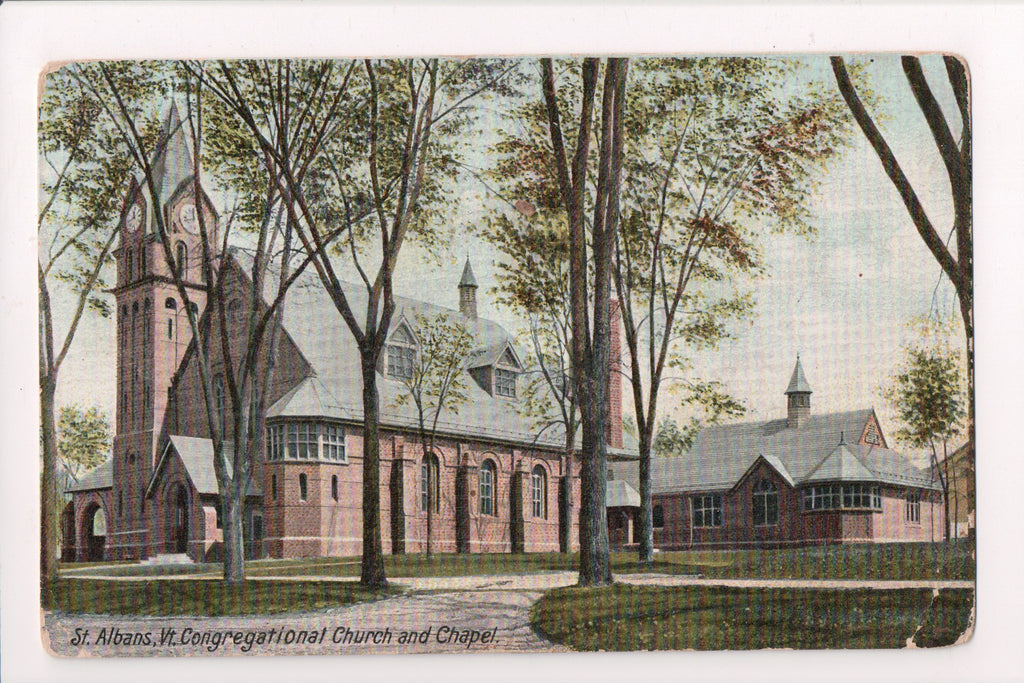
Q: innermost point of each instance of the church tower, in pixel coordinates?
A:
(799, 394)
(152, 324)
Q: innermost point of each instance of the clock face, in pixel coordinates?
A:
(187, 217)
(134, 218)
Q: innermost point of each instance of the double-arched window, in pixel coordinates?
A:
(488, 477)
(539, 488)
(766, 503)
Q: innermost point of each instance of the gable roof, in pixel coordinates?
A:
(100, 477)
(620, 494)
(313, 324)
(196, 455)
(721, 455)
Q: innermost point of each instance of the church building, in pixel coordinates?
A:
(494, 481)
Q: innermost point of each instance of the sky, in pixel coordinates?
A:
(842, 298)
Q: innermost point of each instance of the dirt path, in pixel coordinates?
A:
(439, 611)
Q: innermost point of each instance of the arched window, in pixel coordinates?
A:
(766, 503)
(334, 487)
(273, 487)
(171, 303)
(540, 492)
(234, 311)
(430, 485)
(658, 516)
(487, 479)
(218, 400)
(303, 488)
(181, 259)
(401, 354)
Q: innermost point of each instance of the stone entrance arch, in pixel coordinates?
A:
(94, 531)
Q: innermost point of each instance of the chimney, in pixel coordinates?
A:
(799, 394)
(613, 428)
(467, 292)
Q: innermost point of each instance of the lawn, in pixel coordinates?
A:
(624, 617)
(196, 597)
(867, 561)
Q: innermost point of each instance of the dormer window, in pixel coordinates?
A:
(401, 353)
(504, 383)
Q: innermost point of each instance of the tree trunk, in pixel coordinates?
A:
(50, 496)
(646, 520)
(595, 565)
(232, 508)
(372, 571)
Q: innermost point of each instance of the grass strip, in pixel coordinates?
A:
(197, 597)
(625, 617)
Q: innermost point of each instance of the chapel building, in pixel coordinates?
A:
(493, 482)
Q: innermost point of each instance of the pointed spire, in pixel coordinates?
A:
(468, 280)
(798, 383)
(172, 161)
(467, 292)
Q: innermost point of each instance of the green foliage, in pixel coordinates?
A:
(670, 439)
(438, 382)
(928, 396)
(83, 438)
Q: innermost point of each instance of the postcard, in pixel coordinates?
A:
(461, 355)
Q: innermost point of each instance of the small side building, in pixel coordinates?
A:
(804, 479)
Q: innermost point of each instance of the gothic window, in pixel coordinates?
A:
(303, 487)
(219, 402)
(171, 303)
(430, 485)
(487, 479)
(707, 510)
(766, 503)
(334, 487)
(540, 492)
(401, 353)
(658, 517)
(181, 259)
(234, 311)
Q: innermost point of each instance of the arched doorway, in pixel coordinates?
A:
(67, 533)
(95, 521)
(177, 530)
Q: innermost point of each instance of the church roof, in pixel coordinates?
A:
(314, 325)
(468, 280)
(196, 454)
(798, 383)
(100, 477)
(620, 494)
(722, 454)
